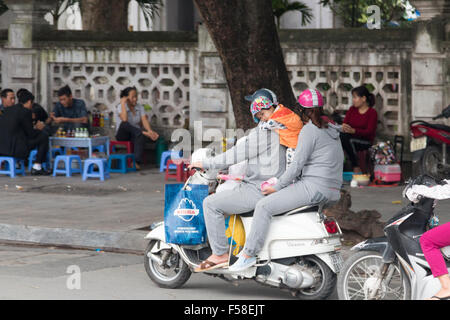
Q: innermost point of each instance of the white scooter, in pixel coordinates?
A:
(394, 267)
(301, 253)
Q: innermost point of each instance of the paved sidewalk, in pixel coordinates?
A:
(68, 211)
(116, 214)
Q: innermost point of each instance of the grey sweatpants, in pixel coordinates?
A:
(241, 199)
(247, 197)
(294, 196)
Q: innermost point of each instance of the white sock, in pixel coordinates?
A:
(37, 166)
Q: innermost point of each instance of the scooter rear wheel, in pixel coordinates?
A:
(325, 280)
(174, 272)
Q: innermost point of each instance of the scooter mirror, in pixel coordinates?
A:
(446, 112)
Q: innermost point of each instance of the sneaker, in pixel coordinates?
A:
(242, 263)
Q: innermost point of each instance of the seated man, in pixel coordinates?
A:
(19, 136)
(39, 114)
(8, 99)
(70, 113)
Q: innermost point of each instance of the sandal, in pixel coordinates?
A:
(209, 265)
(443, 298)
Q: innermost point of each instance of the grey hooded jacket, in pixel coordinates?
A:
(318, 158)
(266, 157)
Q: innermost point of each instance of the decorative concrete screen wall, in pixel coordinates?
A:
(337, 61)
(97, 69)
(180, 74)
(336, 83)
(163, 87)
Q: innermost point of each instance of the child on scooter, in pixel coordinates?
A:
(279, 118)
(274, 116)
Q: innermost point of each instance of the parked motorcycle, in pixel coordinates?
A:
(393, 267)
(429, 146)
(301, 253)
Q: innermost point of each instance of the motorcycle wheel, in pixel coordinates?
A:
(173, 274)
(325, 280)
(359, 273)
(429, 164)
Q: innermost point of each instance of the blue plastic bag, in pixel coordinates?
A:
(183, 214)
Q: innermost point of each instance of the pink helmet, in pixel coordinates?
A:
(310, 98)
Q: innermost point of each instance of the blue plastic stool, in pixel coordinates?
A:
(68, 170)
(11, 166)
(123, 162)
(100, 148)
(64, 149)
(32, 157)
(347, 176)
(89, 172)
(165, 156)
(55, 150)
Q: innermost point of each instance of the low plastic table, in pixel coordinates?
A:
(80, 143)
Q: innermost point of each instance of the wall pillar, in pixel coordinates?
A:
(427, 71)
(21, 61)
(210, 100)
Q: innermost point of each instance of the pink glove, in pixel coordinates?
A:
(226, 177)
(269, 183)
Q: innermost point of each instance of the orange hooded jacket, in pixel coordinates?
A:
(293, 124)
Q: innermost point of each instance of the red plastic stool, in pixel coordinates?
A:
(179, 175)
(128, 144)
(187, 172)
(130, 149)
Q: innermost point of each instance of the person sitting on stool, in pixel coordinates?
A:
(360, 125)
(132, 123)
(19, 136)
(69, 112)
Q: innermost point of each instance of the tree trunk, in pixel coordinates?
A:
(246, 38)
(104, 15)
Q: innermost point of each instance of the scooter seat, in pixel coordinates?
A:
(307, 209)
(439, 126)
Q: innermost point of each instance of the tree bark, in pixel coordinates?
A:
(104, 15)
(246, 38)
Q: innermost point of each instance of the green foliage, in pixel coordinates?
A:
(280, 7)
(150, 8)
(3, 7)
(354, 12)
(60, 7)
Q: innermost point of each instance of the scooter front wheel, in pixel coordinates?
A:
(359, 279)
(166, 268)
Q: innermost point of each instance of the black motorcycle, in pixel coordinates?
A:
(393, 267)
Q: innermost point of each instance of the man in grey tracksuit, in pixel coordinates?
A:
(266, 159)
